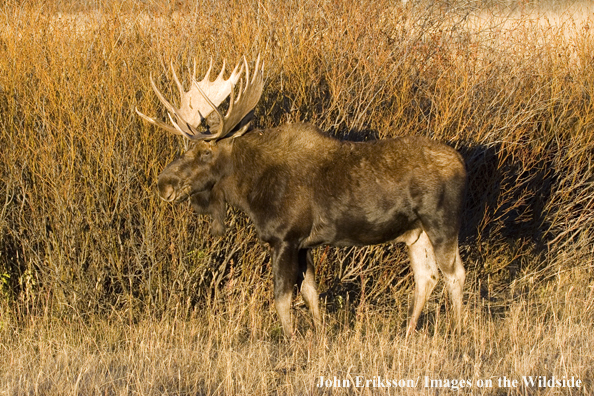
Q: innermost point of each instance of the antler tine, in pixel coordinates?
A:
(245, 102)
(191, 133)
(177, 127)
(235, 74)
(179, 85)
(247, 72)
(234, 100)
(239, 91)
(165, 102)
(222, 72)
(207, 75)
(256, 67)
(170, 108)
(160, 124)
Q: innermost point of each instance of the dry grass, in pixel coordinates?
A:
(106, 290)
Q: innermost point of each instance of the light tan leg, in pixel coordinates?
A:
(282, 304)
(454, 274)
(309, 290)
(422, 260)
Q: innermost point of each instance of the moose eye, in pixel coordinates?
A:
(205, 155)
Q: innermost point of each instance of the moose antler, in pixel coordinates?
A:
(205, 96)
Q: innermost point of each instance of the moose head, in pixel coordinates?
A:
(199, 120)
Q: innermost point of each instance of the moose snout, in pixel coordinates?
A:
(166, 190)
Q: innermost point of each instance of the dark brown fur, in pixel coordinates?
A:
(303, 189)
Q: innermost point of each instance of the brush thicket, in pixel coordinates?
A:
(103, 286)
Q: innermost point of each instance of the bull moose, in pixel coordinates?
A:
(302, 189)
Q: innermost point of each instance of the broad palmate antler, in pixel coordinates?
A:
(205, 96)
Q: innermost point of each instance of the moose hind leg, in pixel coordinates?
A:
(285, 269)
(309, 289)
(452, 268)
(422, 260)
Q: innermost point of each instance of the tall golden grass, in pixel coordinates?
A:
(106, 290)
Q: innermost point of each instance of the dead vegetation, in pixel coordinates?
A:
(106, 290)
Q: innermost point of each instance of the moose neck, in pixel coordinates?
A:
(236, 169)
(246, 160)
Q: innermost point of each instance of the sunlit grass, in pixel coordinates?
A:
(105, 289)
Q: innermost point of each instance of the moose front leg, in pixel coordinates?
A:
(285, 270)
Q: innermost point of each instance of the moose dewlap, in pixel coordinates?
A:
(304, 189)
